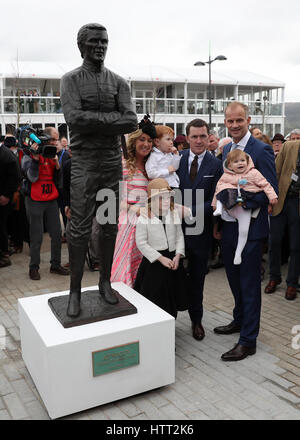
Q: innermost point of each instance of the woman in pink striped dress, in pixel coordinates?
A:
(127, 257)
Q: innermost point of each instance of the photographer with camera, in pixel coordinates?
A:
(42, 171)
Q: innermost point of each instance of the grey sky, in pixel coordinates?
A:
(260, 36)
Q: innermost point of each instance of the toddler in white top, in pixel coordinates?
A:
(164, 159)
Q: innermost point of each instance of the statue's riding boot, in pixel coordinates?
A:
(106, 248)
(76, 258)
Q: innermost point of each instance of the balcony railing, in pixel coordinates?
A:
(31, 104)
(201, 106)
(51, 104)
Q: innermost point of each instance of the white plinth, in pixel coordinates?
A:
(60, 360)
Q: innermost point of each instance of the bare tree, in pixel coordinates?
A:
(16, 88)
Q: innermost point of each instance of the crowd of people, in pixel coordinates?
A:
(248, 202)
(29, 101)
(32, 187)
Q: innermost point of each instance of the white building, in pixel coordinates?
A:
(29, 93)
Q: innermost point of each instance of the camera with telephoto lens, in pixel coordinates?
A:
(27, 136)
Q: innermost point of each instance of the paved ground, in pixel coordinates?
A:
(265, 386)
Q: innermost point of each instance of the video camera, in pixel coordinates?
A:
(27, 136)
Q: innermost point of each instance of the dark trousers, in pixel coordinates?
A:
(18, 227)
(289, 217)
(197, 268)
(245, 284)
(4, 212)
(35, 213)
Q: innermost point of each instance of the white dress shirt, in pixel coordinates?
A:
(158, 163)
(241, 145)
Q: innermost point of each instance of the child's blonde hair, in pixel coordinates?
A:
(236, 154)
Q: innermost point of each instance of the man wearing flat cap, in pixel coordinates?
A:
(98, 109)
(277, 143)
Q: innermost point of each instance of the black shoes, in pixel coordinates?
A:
(34, 274)
(4, 259)
(228, 329)
(238, 353)
(198, 331)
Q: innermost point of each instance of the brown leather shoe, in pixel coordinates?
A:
(238, 353)
(198, 331)
(34, 274)
(271, 286)
(291, 293)
(59, 270)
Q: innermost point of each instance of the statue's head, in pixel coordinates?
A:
(92, 40)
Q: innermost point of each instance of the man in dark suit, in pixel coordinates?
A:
(244, 279)
(198, 172)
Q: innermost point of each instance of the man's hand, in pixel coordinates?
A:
(4, 200)
(171, 169)
(34, 147)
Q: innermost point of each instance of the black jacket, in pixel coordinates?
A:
(10, 177)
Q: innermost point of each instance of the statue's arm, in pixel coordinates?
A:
(127, 122)
(79, 120)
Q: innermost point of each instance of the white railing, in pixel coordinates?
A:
(201, 106)
(51, 104)
(31, 104)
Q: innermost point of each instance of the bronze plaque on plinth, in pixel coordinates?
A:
(115, 358)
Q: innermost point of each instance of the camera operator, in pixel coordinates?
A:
(43, 175)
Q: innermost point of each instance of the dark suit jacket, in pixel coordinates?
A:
(264, 161)
(207, 177)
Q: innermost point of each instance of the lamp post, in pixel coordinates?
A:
(209, 62)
